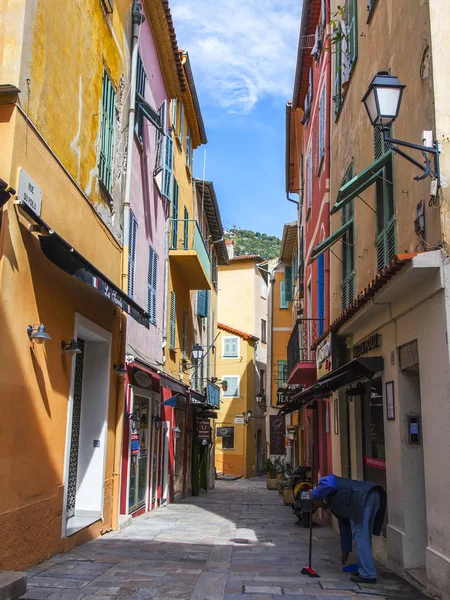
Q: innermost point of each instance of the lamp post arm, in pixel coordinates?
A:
(393, 143)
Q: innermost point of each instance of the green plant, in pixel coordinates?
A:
(224, 384)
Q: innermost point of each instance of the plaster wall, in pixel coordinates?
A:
(236, 303)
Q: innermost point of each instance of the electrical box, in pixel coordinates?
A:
(427, 138)
(414, 430)
(419, 223)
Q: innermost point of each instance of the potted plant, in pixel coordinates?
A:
(271, 471)
(224, 384)
(284, 487)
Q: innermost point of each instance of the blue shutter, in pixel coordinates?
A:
(288, 285)
(283, 301)
(152, 284)
(202, 303)
(132, 254)
(106, 132)
(175, 215)
(173, 320)
(321, 293)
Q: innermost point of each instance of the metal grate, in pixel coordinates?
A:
(75, 436)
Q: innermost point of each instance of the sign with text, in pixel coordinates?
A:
(239, 420)
(324, 357)
(370, 343)
(225, 431)
(277, 434)
(203, 429)
(29, 192)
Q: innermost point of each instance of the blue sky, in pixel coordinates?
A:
(243, 57)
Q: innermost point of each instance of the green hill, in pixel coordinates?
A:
(250, 242)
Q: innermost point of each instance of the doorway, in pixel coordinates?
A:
(139, 442)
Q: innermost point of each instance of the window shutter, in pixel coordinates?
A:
(174, 113)
(227, 347)
(162, 111)
(173, 320)
(175, 215)
(202, 303)
(167, 167)
(283, 301)
(106, 132)
(288, 283)
(338, 75)
(282, 372)
(322, 124)
(186, 229)
(181, 123)
(132, 254)
(309, 179)
(152, 284)
(233, 386)
(234, 347)
(321, 293)
(184, 334)
(352, 32)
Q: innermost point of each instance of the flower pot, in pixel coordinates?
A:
(288, 496)
(272, 484)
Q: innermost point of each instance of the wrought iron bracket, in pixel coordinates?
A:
(393, 143)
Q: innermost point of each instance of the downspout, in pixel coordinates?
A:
(137, 19)
(166, 287)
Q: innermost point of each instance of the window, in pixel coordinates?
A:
(132, 254)
(184, 334)
(263, 288)
(141, 80)
(181, 125)
(262, 381)
(352, 32)
(288, 280)
(167, 168)
(282, 372)
(321, 294)
(214, 270)
(173, 320)
(107, 132)
(202, 303)
(188, 148)
(174, 114)
(186, 229)
(263, 331)
(338, 72)
(230, 347)
(322, 126)
(348, 262)
(386, 241)
(152, 283)
(232, 390)
(228, 439)
(309, 179)
(175, 215)
(283, 302)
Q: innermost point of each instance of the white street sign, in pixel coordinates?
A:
(29, 192)
(238, 420)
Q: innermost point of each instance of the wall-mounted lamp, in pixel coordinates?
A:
(133, 419)
(157, 422)
(37, 333)
(71, 347)
(177, 432)
(197, 352)
(382, 101)
(259, 398)
(247, 416)
(120, 369)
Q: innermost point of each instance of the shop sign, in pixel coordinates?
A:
(142, 379)
(370, 343)
(225, 431)
(288, 442)
(29, 192)
(408, 355)
(277, 434)
(135, 446)
(324, 357)
(203, 429)
(377, 463)
(239, 420)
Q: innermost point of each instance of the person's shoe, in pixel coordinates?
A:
(359, 579)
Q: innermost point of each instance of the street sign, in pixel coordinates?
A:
(239, 420)
(29, 192)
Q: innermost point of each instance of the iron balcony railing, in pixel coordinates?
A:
(185, 235)
(303, 336)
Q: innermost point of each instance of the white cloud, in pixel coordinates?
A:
(241, 50)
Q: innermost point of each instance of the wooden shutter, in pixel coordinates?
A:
(309, 179)
(282, 372)
(141, 80)
(283, 301)
(288, 283)
(106, 145)
(352, 32)
(234, 346)
(322, 124)
(167, 167)
(174, 113)
(202, 303)
(181, 123)
(173, 320)
(152, 284)
(337, 75)
(132, 254)
(227, 347)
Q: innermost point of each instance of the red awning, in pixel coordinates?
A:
(304, 373)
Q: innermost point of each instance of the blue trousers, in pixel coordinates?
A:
(362, 534)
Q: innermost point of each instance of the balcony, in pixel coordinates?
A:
(189, 254)
(301, 359)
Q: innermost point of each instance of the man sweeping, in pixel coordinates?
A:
(360, 507)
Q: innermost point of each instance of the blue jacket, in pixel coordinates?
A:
(346, 499)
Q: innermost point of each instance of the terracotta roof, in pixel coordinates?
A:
(248, 257)
(310, 18)
(178, 55)
(379, 281)
(242, 334)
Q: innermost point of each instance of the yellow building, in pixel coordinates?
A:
(235, 436)
(63, 78)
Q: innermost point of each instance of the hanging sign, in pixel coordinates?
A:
(143, 379)
(277, 434)
(135, 445)
(324, 357)
(203, 429)
(288, 442)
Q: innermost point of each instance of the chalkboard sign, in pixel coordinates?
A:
(277, 433)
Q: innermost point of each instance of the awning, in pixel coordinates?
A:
(361, 182)
(61, 254)
(197, 399)
(172, 384)
(359, 368)
(330, 241)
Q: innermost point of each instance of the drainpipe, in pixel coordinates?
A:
(166, 287)
(137, 19)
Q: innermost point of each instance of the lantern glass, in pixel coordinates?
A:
(197, 352)
(383, 98)
(389, 103)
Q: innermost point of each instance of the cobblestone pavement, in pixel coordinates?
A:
(238, 542)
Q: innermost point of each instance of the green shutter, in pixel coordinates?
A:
(186, 230)
(106, 132)
(338, 73)
(141, 80)
(202, 303)
(282, 372)
(173, 320)
(175, 215)
(352, 32)
(167, 168)
(283, 301)
(174, 113)
(288, 280)
(132, 254)
(152, 282)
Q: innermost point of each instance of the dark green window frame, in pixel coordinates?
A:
(386, 238)
(141, 80)
(106, 147)
(173, 321)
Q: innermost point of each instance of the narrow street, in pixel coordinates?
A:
(236, 542)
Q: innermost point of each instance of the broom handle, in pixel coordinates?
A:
(311, 507)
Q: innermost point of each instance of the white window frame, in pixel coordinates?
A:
(232, 337)
(227, 378)
(263, 288)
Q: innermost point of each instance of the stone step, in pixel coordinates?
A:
(12, 584)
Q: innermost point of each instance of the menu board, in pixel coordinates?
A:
(277, 434)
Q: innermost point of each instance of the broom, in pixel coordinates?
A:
(308, 570)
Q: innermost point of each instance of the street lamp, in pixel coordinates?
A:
(197, 352)
(177, 431)
(37, 333)
(382, 101)
(157, 422)
(259, 398)
(247, 416)
(71, 347)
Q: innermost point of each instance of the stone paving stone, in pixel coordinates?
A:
(38, 593)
